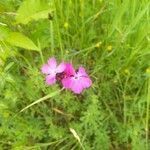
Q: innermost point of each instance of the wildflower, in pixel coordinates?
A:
(148, 70)
(67, 51)
(69, 70)
(66, 25)
(76, 81)
(98, 44)
(109, 48)
(51, 69)
(126, 71)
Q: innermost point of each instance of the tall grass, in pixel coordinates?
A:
(108, 37)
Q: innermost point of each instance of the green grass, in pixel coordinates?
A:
(110, 38)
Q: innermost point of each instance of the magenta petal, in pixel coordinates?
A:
(82, 72)
(66, 83)
(86, 82)
(76, 86)
(45, 69)
(61, 68)
(73, 84)
(52, 63)
(50, 79)
(69, 70)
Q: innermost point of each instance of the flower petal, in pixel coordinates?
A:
(69, 70)
(82, 72)
(76, 86)
(86, 82)
(50, 79)
(66, 82)
(61, 67)
(52, 63)
(45, 69)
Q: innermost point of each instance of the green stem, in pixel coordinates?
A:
(52, 36)
(40, 51)
(42, 99)
(147, 114)
(57, 28)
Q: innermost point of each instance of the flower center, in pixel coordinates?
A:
(76, 77)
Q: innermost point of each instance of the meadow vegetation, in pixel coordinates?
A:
(110, 38)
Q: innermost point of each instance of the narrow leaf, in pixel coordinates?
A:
(42, 99)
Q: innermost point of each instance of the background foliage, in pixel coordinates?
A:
(111, 39)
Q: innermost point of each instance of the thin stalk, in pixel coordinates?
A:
(58, 32)
(147, 114)
(42, 99)
(40, 51)
(124, 102)
(82, 19)
(52, 36)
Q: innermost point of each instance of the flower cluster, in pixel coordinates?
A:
(74, 80)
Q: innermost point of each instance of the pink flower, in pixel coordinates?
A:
(69, 70)
(51, 69)
(76, 81)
